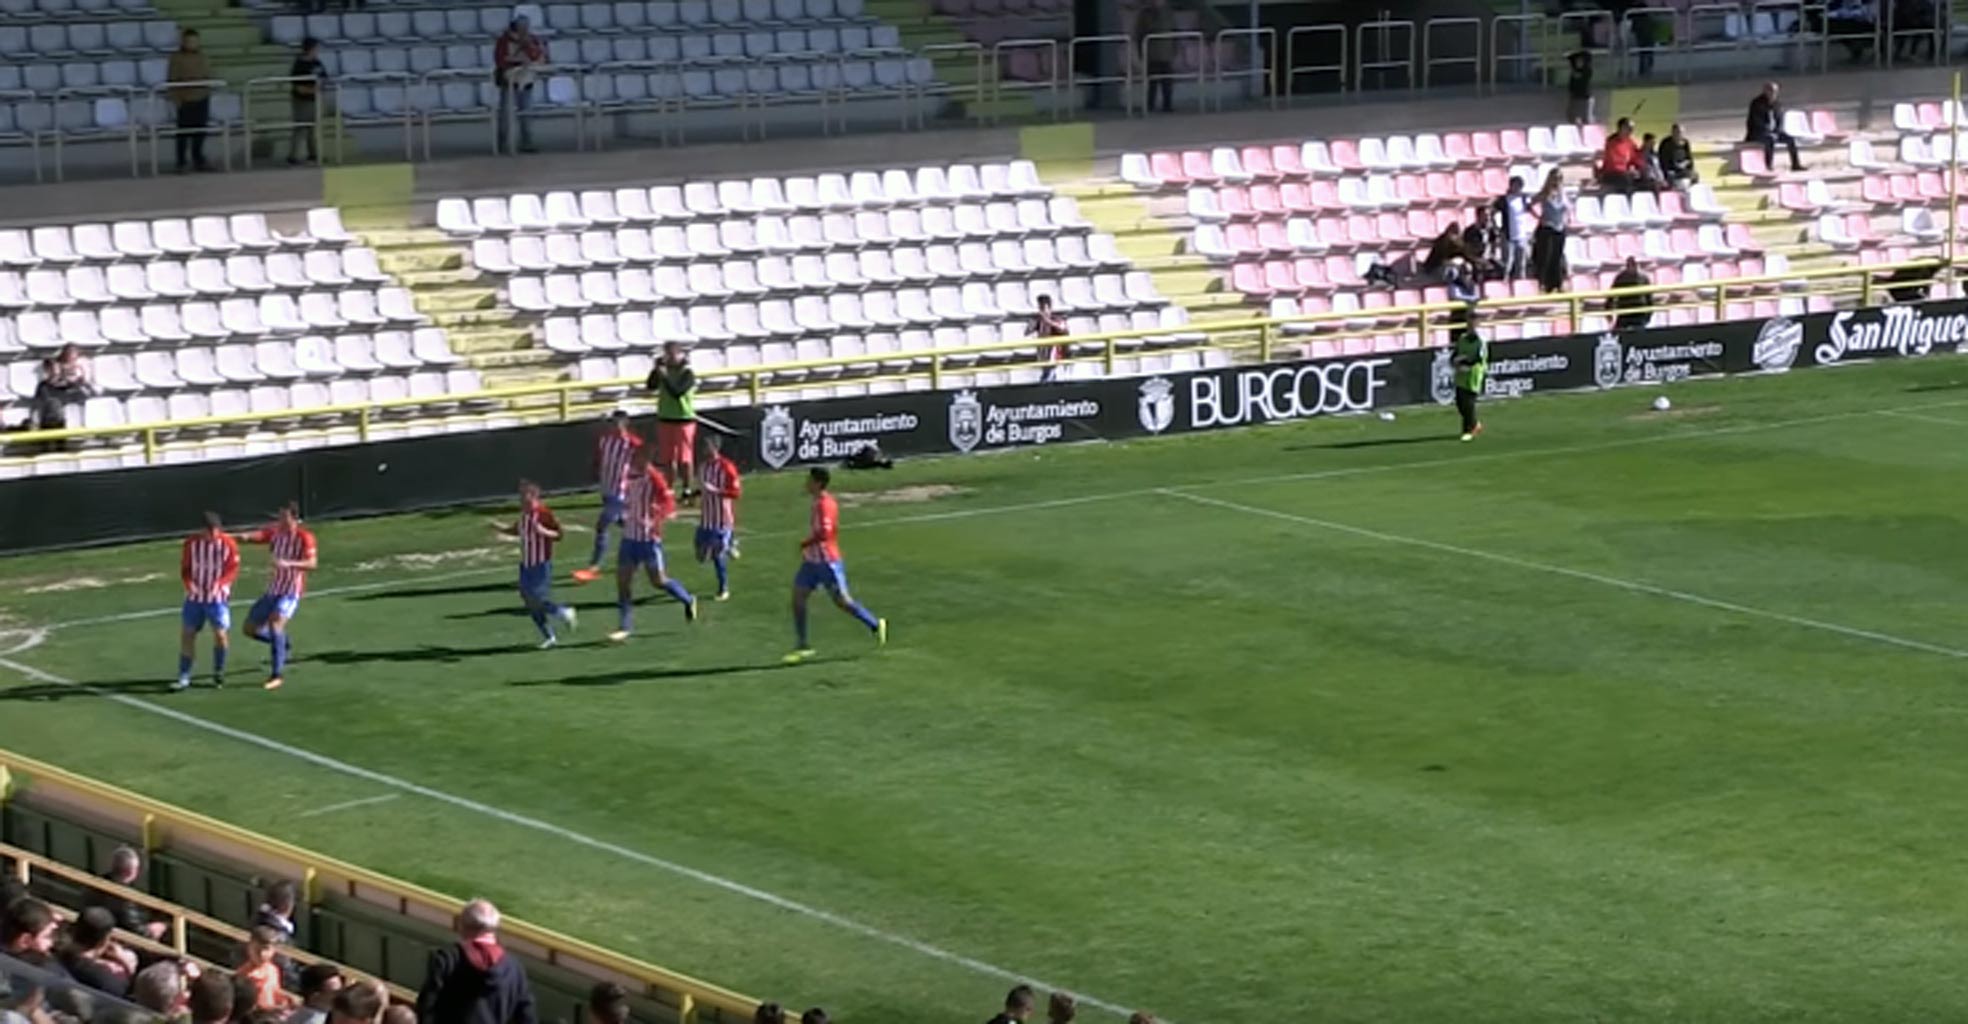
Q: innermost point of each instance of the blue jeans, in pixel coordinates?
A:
(513, 103)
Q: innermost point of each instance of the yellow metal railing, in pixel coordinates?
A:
(157, 826)
(1265, 338)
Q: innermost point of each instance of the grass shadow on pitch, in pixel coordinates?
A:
(653, 675)
(1371, 442)
(499, 587)
(107, 688)
(429, 652)
(518, 611)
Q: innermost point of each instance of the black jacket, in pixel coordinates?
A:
(475, 983)
(1765, 118)
(1676, 156)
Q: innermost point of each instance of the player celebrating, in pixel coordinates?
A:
(820, 566)
(613, 450)
(647, 502)
(208, 567)
(537, 529)
(293, 551)
(716, 528)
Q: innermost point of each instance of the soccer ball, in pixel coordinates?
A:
(1661, 404)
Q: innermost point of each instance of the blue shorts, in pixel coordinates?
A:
(713, 540)
(269, 605)
(822, 576)
(536, 581)
(611, 509)
(198, 614)
(639, 554)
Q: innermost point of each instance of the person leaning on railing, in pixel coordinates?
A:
(307, 74)
(185, 78)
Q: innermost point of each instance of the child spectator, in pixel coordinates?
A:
(262, 971)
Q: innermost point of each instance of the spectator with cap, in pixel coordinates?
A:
(1018, 1006)
(516, 61)
(474, 981)
(94, 957)
(320, 983)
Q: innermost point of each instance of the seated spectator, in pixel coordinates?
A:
(769, 1013)
(65, 379)
(94, 957)
(262, 972)
(608, 1003)
(1652, 175)
(29, 927)
(125, 867)
(1765, 127)
(1061, 1009)
(1620, 166)
(1635, 311)
(814, 1015)
(160, 988)
(1018, 1006)
(277, 912)
(398, 1014)
(1912, 283)
(211, 999)
(319, 983)
(1446, 246)
(358, 1002)
(1677, 160)
(245, 999)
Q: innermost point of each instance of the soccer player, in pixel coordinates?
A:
(820, 566)
(715, 530)
(209, 565)
(1470, 355)
(613, 450)
(537, 529)
(647, 502)
(294, 556)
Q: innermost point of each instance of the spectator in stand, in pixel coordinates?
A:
(64, 379)
(1652, 176)
(94, 957)
(1554, 212)
(304, 94)
(211, 999)
(262, 971)
(277, 912)
(27, 933)
(161, 989)
(516, 61)
(359, 1002)
(1048, 324)
(1765, 127)
(814, 1015)
(185, 76)
(320, 983)
(1677, 160)
(125, 867)
(769, 1013)
(1446, 247)
(608, 1003)
(1513, 212)
(1855, 24)
(1578, 89)
(1621, 166)
(396, 1014)
(1635, 311)
(1138, 1017)
(245, 1000)
(1018, 1006)
(474, 981)
(675, 384)
(1061, 1008)
(1152, 25)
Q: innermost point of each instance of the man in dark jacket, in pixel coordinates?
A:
(475, 981)
(1765, 126)
(1677, 159)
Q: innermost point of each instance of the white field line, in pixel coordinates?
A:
(1634, 586)
(348, 805)
(1942, 420)
(738, 888)
(1910, 411)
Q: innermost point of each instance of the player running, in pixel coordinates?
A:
(647, 502)
(820, 566)
(209, 565)
(294, 556)
(537, 529)
(613, 451)
(716, 529)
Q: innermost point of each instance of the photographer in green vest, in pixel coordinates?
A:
(1470, 355)
(675, 384)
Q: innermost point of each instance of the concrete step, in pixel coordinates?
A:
(480, 340)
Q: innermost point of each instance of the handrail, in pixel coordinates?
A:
(1047, 51)
(62, 133)
(1262, 70)
(1293, 69)
(282, 87)
(750, 381)
(157, 105)
(180, 918)
(352, 880)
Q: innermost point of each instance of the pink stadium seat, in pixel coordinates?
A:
(1457, 146)
(1242, 238)
(1332, 232)
(1496, 179)
(1723, 270)
(1346, 155)
(1311, 275)
(1628, 244)
(1297, 197)
(1440, 187)
(1825, 123)
(1494, 290)
(1469, 185)
(1595, 137)
(1877, 189)
(1278, 277)
(1289, 162)
(1931, 185)
(1930, 116)
(1791, 196)
(1196, 165)
(1391, 227)
(1421, 224)
(1341, 272)
(1599, 248)
(1486, 147)
(1168, 167)
(1264, 201)
(1257, 162)
(1750, 267)
(1411, 188)
(1749, 160)
(1325, 195)
(1272, 238)
(1739, 236)
(1515, 145)
(1234, 201)
(1360, 230)
(1675, 208)
(1249, 279)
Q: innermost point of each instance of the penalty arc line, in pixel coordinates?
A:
(1633, 586)
(562, 832)
(1909, 412)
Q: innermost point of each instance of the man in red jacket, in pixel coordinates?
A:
(476, 981)
(1621, 165)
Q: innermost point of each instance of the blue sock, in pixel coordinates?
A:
(601, 541)
(540, 623)
(264, 636)
(279, 652)
(218, 660)
(723, 567)
(675, 589)
(867, 617)
(625, 613)
(799, 624)
(549, 608)
(184, 665)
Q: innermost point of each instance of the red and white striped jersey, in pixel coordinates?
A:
(612, 454)
(646, 503)
(721, 490)
(295, 545)
(209, 565)
(823, 544)
(535, 547)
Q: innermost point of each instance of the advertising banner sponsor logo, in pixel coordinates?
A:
(1155, 404)
(1641, 358)
(1884, 331)
(827, 431)
(1266, 394)
(1776, 345)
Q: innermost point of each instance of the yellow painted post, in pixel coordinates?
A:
(150, 445)
(686, 1009)
(362, 424)
(757, 387)
(1721, 302)
(6, 784)
(936, 371)
(1107, 357)
(178, 932)
(148, 834)
(1575, 307)
(1865, 286)
(566, 403)
(311, 886)
(1264, 342)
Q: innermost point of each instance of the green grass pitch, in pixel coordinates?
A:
(1609, 715)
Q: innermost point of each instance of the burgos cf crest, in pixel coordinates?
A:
(1442, 378)
(1157, 405)
(776, 440)
(966, 421)
(1608, 360)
